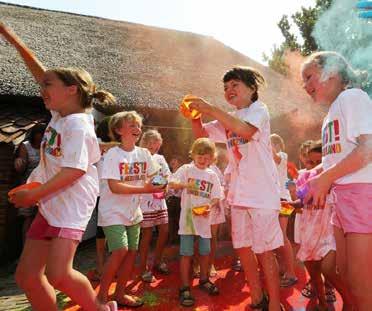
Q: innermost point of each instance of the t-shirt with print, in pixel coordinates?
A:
(254, 177)
(69, 142)
(152, 202)
(206, 188)
(283, 176)
(131, 168)
(349, 116)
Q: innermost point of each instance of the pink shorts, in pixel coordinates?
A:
(256, 228)
(41, 230)
(353, 207)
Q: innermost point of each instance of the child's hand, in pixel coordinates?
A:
(207, 211)
(20, 164)
(23, 198)
(200, 105)
(150, 188)
(319, 187)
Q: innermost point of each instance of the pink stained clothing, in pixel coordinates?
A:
(255, 228)
(41, 230)
(154, 218)
(353, 207)
(317, 237)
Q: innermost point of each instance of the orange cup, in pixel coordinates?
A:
(286, 209)
(29, 186)
(186, 111)
(200, 210)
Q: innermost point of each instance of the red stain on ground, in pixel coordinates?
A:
(162, 295)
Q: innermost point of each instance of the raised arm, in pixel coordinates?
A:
(34, 65)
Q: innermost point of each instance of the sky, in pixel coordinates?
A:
(247, 26)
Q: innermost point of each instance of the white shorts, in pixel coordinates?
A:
(256, 228)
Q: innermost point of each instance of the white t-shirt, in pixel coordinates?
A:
(349, 116)
(148, 202)
(132, 168)
(69, 142)
(207, 188)
(283, 176)
(254, 177)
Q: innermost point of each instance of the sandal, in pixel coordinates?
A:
(130, 301)
(330, 294)
(148, 277)
(162, 268)
(263, 305)
(237, 266)
(95, 276)
(186, 300)
(308, 291)
(208, 287)
(288, 282)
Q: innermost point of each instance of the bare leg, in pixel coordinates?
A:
(63, 277)
(212, 255)
(30, 275)
(286, 251)
(100, 251)
(144, 247)
(250, 266)
(111, 267)
(160, 243)
(204, 263)
(359, 272)
(185, 265)
(124, 274)
(314, 269)
(270, 269)
(328, 266)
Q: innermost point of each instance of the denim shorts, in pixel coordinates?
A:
(187, 245)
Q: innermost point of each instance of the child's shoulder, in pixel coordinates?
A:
(78, 121)
(352, 94)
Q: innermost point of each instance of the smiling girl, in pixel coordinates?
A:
(254, 212)
(69, 187)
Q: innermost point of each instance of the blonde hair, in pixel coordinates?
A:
(277, 140)
(117, 120)
(150, 135)
(332, 62)
(203, 146)
(86, 88)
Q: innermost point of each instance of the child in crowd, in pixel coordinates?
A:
(318, 246)
(126, 170)
(286, 258)
(26, 160)
(254, 213)
(201, 187)
(155, 213)
(69, 187)
(346, 166)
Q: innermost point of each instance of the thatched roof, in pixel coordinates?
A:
(145, 67)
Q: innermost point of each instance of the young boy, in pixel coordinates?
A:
(201, 192)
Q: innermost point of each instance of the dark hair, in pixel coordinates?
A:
(251, 77)
(38, 128)
(103, 130)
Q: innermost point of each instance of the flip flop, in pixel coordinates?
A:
(112, 305)
(288, 282)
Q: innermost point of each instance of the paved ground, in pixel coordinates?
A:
(162, 295)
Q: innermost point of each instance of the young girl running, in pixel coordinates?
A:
(127, 170)
(347, 167)
(254, 213)
(154, 210)
(201, 187)
(69, 187)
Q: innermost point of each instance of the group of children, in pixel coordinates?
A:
(334, 195)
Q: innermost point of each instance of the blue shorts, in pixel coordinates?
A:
(187, 245)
